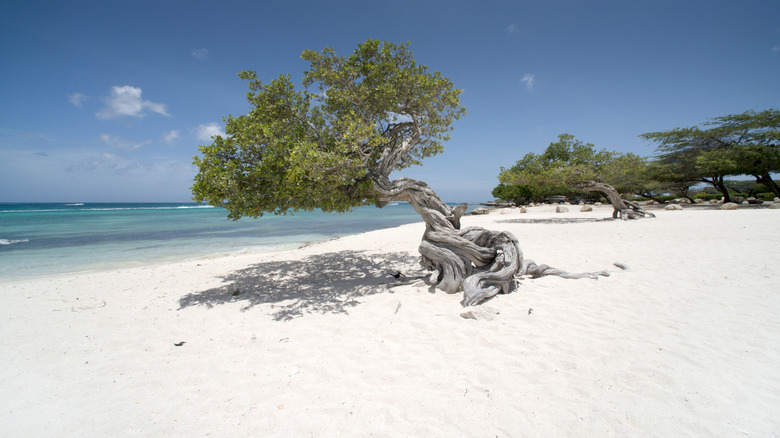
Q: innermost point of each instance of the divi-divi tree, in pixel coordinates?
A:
(333, 143)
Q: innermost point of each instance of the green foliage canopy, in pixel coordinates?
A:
(574, 163)
(512, 193)
(324, 145)
(737, 144)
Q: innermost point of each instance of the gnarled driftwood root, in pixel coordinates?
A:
(480, 262)
(622, 208)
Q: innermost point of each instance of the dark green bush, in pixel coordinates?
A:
(707, 196)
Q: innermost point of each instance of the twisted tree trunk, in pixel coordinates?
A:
(766, 179)
(480, 262)
(720, 185)
(622, 208)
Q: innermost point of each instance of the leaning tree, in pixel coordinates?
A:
(736, 144)
(579, 165)
(332, 145)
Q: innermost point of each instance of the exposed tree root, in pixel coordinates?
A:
(623, 209)
(479, 262)
(462, 267)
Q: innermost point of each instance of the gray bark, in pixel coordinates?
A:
(480, 262)
(623, 209)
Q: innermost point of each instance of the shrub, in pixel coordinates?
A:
(707, 196)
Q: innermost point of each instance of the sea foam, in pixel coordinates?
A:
(11, 242)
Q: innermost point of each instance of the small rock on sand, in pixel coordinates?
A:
(480, 313)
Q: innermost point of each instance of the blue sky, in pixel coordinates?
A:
(109, 100)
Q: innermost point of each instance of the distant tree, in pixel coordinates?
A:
(746, 187)
(333, 144)
(513, 193)
(680, 151)
(579, 165)
(664, 178)
(633, 175)
(754, 143)
(738, 144)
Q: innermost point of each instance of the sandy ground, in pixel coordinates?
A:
(321, 341)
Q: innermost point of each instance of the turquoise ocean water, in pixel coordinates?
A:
(44, 239)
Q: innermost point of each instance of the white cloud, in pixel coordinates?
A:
(200, 53)
(78, 174)
(122, 143)
(528, 79)
(104, 161)
(205, 132)
(512, 28)
(775, 50)
(77, 99)
(170, 137)
(127, 101)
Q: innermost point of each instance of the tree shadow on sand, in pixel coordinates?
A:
(325, 283)
(570, 220)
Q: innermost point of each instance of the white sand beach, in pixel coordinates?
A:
(320, 342)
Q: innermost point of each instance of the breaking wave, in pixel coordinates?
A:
(11, 242)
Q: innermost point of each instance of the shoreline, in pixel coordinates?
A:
(260, 251)
(322, 340)
(85, 238)
(160, 261)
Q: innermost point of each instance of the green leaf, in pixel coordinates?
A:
(301, 149)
